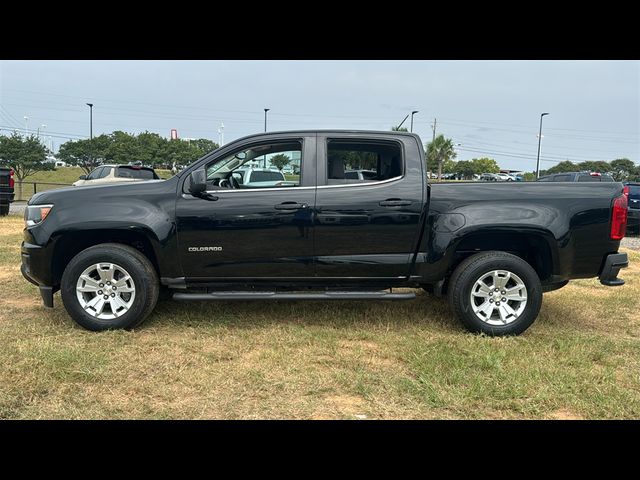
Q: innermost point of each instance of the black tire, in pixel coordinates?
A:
(143, 275)
(472, 269)
(4, 210)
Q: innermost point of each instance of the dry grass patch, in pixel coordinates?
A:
(347, 360)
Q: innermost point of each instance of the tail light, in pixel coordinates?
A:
(619, 218)
(625, 190)
(11, 182)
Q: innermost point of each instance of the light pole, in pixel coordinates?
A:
(43, 126)
(412, 114)
(539, 139)
(265, 118)
(90, 121)
(26, 125)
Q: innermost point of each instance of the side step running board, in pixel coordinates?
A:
(380, 295)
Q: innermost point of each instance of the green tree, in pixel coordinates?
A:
(562, 167)
(622, 169)
(204, 145)
(529, 177)
(26, 155)
(595, 166)
(280, 161)
(439, 151)
(465, 169)
(401, 129)
(87, 154)
(122, 148)
(485, 165)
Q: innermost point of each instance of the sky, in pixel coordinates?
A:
(489, 108)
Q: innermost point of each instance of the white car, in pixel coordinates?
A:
(504, 177)
(260, 177)
(106, 174)
(361, 175)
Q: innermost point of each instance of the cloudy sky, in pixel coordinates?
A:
(491, 108)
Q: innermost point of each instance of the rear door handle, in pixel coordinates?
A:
(290, 206)
(394, 202)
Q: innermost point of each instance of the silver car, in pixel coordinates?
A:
(106, 174)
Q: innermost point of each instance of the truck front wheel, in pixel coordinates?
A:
(109, 286)
(495, 293)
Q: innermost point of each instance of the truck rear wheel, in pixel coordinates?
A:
(495, 293)
(109, 286)
(4, 210)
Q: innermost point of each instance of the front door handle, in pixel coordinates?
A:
(394, 202)
(290, 206)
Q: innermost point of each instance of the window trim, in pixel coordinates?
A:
(322, 156)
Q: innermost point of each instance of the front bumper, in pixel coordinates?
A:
(34, 260)
(612, 265)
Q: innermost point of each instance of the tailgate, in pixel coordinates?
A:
(4, 177)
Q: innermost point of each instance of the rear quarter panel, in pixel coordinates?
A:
(572, 218)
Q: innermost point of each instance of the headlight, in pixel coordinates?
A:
(34, 214)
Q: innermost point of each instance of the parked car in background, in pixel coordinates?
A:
(489, 177)
(106, 174)
(632, 191)
(505, 177)
(260, 177)
(577, 177)
(6, 190)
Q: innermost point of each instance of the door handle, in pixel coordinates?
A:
(290, 206)
(394, 202)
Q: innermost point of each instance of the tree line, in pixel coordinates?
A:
(121, 147)
(27, 155)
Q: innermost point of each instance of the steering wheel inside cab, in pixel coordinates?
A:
(229, 182)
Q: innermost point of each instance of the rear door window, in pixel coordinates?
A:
(136, 173)
(363, 161)
(562, 178)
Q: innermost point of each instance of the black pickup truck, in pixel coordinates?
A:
(204, 235)
(6, 190)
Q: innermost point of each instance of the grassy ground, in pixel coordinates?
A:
(62, 175)
(581, 359)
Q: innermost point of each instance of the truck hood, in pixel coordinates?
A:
(98, 193)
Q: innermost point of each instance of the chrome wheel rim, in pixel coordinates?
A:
(498, 297)
(105, 290)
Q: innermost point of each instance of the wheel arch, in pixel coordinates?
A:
(69, 244)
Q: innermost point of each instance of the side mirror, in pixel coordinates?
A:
(82, 177)
(198, 182)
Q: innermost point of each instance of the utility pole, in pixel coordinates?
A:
(26, 125)
(433, 127)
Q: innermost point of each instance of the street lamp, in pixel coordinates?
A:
(265, 118)
(43, 126)
(412, 114)
(90, 120)
(539, 139)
